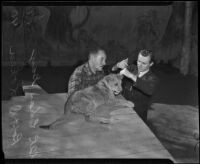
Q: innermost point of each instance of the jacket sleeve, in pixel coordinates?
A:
(147, 84)
(75, 81)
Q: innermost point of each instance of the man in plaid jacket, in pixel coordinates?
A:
(92, 71)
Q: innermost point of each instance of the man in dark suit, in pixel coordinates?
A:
(139, 83)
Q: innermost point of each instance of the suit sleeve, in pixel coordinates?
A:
(147, 85)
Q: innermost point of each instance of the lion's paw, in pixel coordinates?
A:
(104, 120)
(130, 104)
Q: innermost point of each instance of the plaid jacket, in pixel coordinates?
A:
(83, 77)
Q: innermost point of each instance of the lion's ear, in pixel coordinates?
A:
(108, 79)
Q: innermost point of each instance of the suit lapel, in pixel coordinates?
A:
(146, 75)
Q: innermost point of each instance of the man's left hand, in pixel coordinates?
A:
(122, 64)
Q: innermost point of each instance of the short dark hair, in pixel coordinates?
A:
(94, 49)
(146, 53)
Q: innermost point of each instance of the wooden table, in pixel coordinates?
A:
(127, 136)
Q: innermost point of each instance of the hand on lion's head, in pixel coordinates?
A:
(113, 82)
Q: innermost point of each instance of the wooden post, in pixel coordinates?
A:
(186, 49)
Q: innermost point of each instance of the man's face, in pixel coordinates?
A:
(143, 63)
(99, 60)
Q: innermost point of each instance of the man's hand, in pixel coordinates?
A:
(128, 74)
(122, 64)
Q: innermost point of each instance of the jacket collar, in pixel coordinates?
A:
(135, 72)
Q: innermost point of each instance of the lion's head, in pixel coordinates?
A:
(113, 82)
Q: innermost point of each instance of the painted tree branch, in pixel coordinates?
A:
(186, 49)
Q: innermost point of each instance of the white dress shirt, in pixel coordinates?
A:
(142, 73)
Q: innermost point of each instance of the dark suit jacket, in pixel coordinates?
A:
(140, 92)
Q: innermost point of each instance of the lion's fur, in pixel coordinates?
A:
(86, 101)
(94, 95)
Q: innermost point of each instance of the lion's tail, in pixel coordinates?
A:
(62, 119)
(54, 124)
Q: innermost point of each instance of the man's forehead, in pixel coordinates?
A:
(101, 53)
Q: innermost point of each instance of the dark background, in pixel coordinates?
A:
(61, 36)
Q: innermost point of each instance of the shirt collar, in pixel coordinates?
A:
(142, 73)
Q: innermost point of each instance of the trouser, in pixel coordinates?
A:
(141, 110)
(141, 107)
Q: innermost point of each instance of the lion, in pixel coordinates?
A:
(86, 101)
